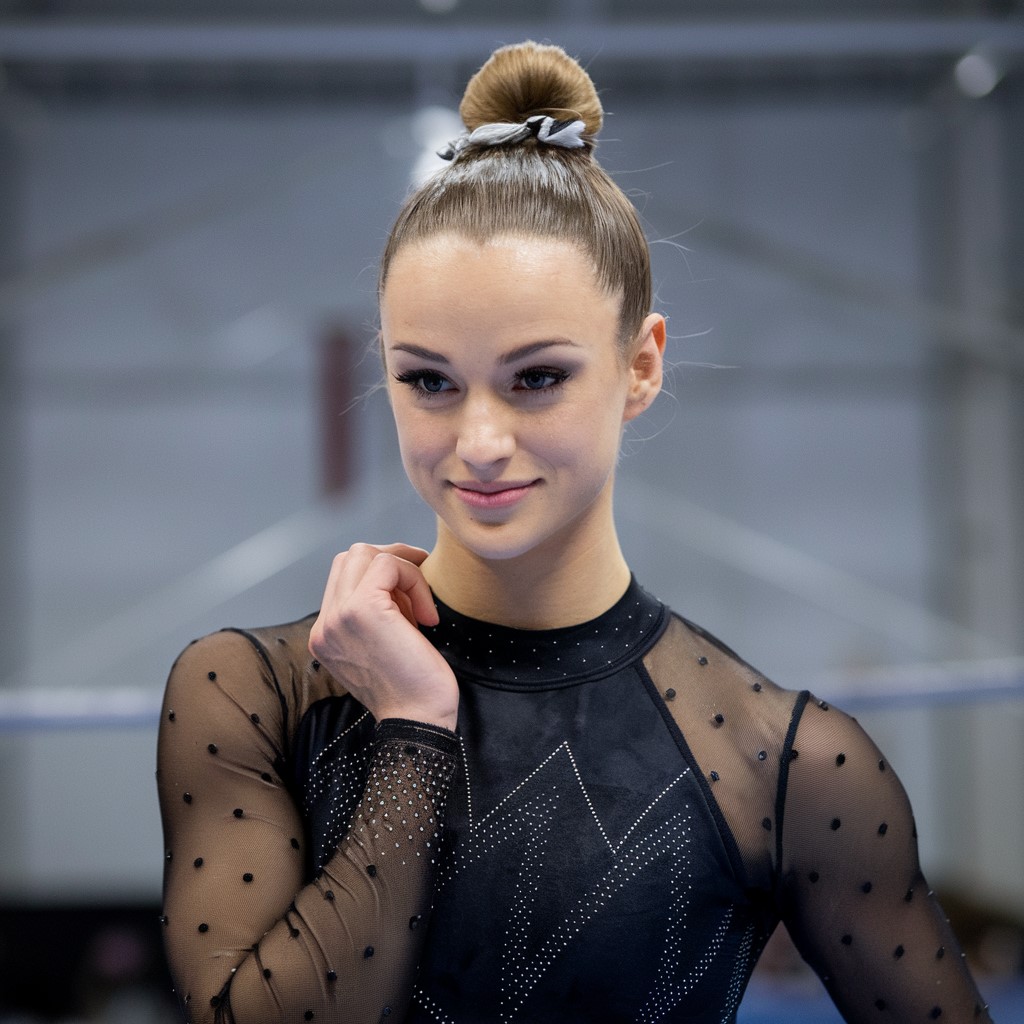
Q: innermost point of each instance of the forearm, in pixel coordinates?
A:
(348, 945)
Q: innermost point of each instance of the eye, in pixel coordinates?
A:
(540, 378)
(425, 382)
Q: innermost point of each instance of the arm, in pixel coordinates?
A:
(851, 890)
(247, 940)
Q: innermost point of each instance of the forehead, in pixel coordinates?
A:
(453, 284)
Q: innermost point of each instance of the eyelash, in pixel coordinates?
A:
(415, 378)
(558, 377)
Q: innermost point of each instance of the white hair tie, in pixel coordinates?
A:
(567, 134)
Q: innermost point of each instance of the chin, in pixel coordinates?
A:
(496, 549)
(493, 542)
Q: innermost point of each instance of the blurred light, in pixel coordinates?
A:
(439, 6)
(432, 129)
(977, 74)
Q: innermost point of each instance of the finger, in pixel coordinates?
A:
(407, 551)
(416, 556)
(404, 606)
(352, 567)
(349, 567)
(400, 577)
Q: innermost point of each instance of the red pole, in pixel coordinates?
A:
(336, 394)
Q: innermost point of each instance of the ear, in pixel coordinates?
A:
(645, 366)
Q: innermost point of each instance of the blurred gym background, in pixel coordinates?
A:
(193, 197)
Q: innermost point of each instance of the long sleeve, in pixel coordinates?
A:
(852, 893)
(248, 937)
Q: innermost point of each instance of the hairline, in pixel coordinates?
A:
(482, 240)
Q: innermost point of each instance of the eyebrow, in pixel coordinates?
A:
(522, 352)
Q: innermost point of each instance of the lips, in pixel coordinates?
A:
(498, 494)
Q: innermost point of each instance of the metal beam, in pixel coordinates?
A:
(954, 684)
(55, 41)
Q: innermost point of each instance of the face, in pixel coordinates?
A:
(510, 390)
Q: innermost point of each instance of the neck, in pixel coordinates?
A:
(558, 583)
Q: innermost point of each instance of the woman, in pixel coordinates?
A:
(499, 781)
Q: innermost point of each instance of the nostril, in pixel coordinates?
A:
(484, 447)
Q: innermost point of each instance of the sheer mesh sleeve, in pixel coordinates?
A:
(248, 938)
(853, 896)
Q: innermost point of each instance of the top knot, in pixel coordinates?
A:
(521, 81)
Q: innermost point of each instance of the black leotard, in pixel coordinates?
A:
(625, 813)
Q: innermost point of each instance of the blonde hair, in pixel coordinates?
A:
(528, 188)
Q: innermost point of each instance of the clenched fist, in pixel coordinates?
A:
(366, 635)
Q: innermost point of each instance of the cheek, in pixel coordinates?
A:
(585, 447)
(593, 429)
(420, 440)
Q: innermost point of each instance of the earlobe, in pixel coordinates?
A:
(645, 370)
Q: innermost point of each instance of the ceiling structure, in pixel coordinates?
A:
(156, 45)
(432, 11)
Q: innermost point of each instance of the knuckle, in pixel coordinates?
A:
(347, 618)
(317, 633)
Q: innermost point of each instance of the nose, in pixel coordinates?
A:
(485, 435)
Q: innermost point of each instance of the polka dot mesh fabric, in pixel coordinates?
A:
(823, 824)
(626, 813)
(249, 938)
(851, 888)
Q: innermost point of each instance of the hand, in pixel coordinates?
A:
(366, 635)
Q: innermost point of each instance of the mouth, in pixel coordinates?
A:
(499, 494)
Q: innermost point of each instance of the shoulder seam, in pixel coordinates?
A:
(732, 849)
(262, 652)
(785, 758)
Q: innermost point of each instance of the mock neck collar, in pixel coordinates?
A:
(524, 659)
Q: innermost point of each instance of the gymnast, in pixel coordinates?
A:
(499, 781)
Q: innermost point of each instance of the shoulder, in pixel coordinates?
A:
(820, 734)
(720, 686)
(265, 669)
(736, 728)
(276, 650)
(836, 764)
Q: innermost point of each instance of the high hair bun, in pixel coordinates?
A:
(530, 78)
